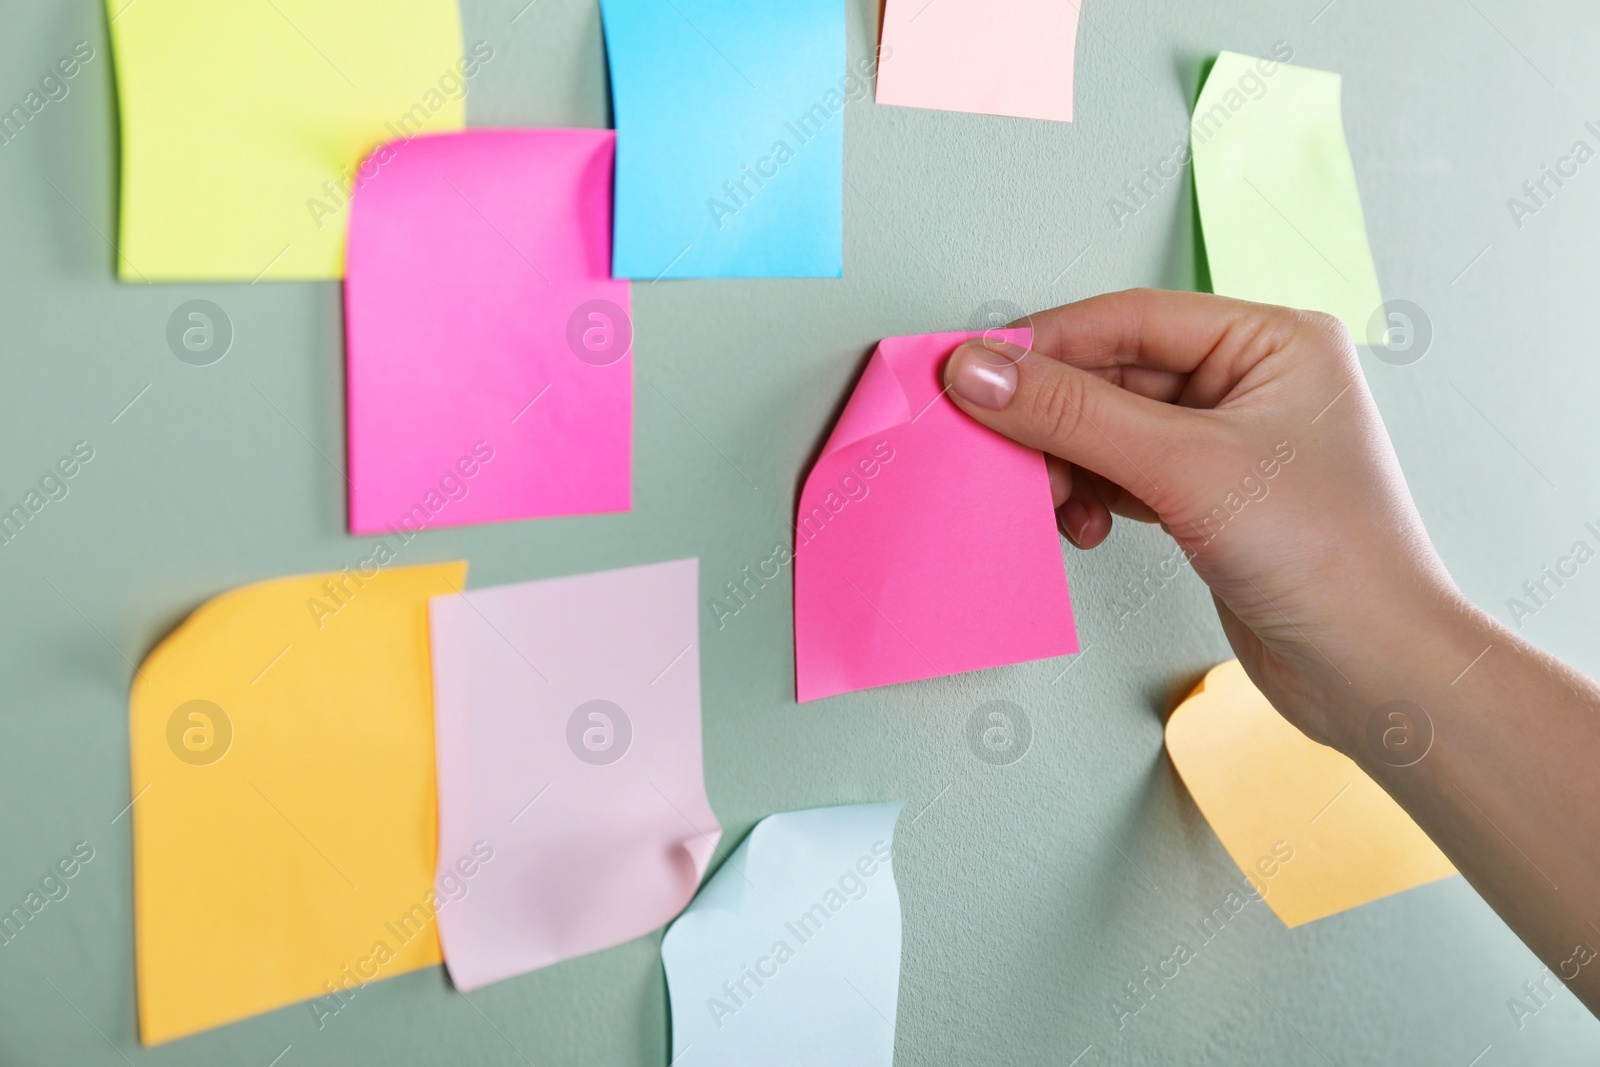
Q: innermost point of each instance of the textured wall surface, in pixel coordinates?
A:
(1031, 891)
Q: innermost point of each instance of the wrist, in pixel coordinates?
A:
(1404, 675)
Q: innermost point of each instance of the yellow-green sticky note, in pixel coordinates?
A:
(244, 125)
(1277, 191)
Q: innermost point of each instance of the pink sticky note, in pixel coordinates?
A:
(988, 57)
(572, 803)
(489, 349)
(926, 545)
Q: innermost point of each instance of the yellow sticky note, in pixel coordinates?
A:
(285, 820)
(244, 124)
(1312, 832)
(1277, 191)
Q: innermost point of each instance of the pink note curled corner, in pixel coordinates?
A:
(572, 805)
(489, 349)
(926, 544)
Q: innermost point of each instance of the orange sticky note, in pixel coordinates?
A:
(1312, 832)
(285, 815)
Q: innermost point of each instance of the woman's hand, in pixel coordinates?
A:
(1248, 432)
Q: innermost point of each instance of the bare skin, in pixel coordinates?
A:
(1157, 406)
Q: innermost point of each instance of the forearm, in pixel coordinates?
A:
(1248, 431)
(1508, 788)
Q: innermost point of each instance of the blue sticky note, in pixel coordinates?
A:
(730, 137)
(791, 953)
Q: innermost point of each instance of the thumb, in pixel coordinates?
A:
(1077, 416)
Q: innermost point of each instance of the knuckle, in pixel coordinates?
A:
(1058, 409)
(1338, 355)
(1328, 327)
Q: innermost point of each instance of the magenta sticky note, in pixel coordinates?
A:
(567, 716)
(489, 351)
(988, 57)
(925, 545)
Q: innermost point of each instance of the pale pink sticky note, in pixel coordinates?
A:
(572, 803)
(489, 349)
(988, 57)
(926, 544)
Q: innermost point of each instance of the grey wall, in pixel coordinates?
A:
(1031, 891)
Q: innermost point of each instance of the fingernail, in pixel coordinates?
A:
(982, 377)
(1074, 517)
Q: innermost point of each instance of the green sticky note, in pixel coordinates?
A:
(1277, 192)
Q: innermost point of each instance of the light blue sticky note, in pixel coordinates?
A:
(791, 953)
(730, 137)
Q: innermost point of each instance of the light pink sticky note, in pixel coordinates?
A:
(567, 714)
(988, 57)
(489, 350)
(926, 544)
